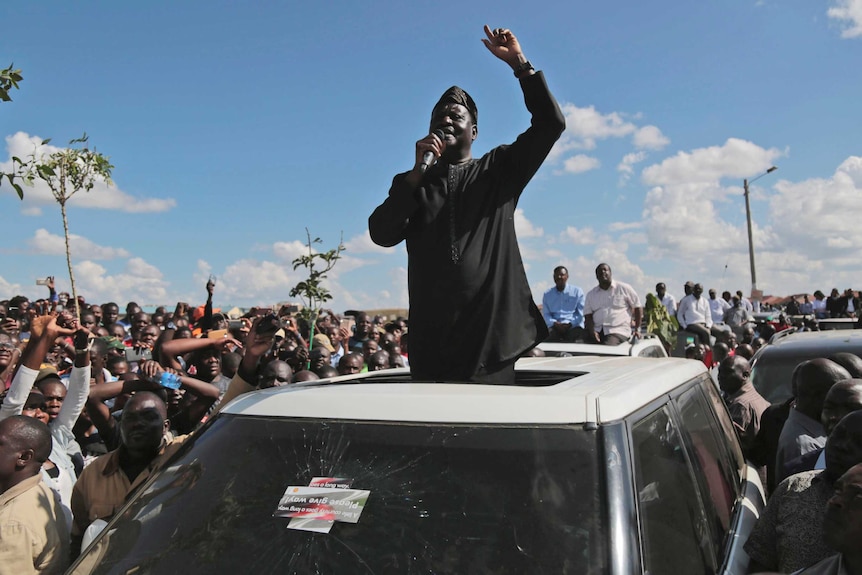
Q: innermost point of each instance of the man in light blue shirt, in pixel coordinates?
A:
(563, 308)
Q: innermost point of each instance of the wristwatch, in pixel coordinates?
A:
(524, 66)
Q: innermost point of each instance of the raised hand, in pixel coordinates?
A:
(503, 44)
(256, 345)
(224, 342)
(47, 325)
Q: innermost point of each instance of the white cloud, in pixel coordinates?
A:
(582, 237)
(586, 125)
(622, 226)
(140, 282)
(256, 282)
(524, 228)
(346, 264)
(735, 159)
(650, 138)
(46, 243)
(288, 251)
(580, 163)
(362, 244)
(634, 238)
(138, 267)
(626, 166)
(802, 230)
(9, 289)
(681, 215)
(31, 211)
(541, 253)
(101, 196)
(849, 15)
(818, 216)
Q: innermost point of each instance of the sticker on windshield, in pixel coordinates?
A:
(318, 507)
(337, 482)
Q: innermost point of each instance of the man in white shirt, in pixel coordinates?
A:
(612, 310)
(694, 315)
(667, 300)
(746, 303)
(717, 306)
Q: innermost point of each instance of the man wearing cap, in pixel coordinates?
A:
(471, 310)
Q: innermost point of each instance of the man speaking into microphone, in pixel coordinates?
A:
(471, 311)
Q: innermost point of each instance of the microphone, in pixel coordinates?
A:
(428, 157)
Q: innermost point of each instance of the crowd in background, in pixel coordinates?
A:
(118, 393)
(94, 402)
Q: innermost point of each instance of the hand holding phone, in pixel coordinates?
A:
(83, 340)
(138, 354)
(268, 325)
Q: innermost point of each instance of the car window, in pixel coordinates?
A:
(674, 531)
(733, 453)
(441, 499)
(771, 375)
(718, 482)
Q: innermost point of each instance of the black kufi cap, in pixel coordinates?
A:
(456, 95)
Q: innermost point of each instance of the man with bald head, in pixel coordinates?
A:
(104, 485)
(788, 535)
(275, 374)
(844, 397)
(350, 364)
(849, 361)
(33, 528)
(803, 431)
(743, 402)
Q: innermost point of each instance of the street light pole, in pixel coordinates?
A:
(750, 235)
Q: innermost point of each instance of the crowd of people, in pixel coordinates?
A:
(93, 402)
(611, 313)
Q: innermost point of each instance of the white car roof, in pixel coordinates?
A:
(623, 349)
(600, 389)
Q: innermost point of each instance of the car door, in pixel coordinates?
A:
(730, 489)
(674, 527)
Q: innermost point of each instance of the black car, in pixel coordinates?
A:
(773, 364)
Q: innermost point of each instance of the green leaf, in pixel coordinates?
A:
(45, 141)
(19, 190)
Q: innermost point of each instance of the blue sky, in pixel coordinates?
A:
(235, 126)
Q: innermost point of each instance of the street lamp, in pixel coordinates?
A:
(748, 220)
